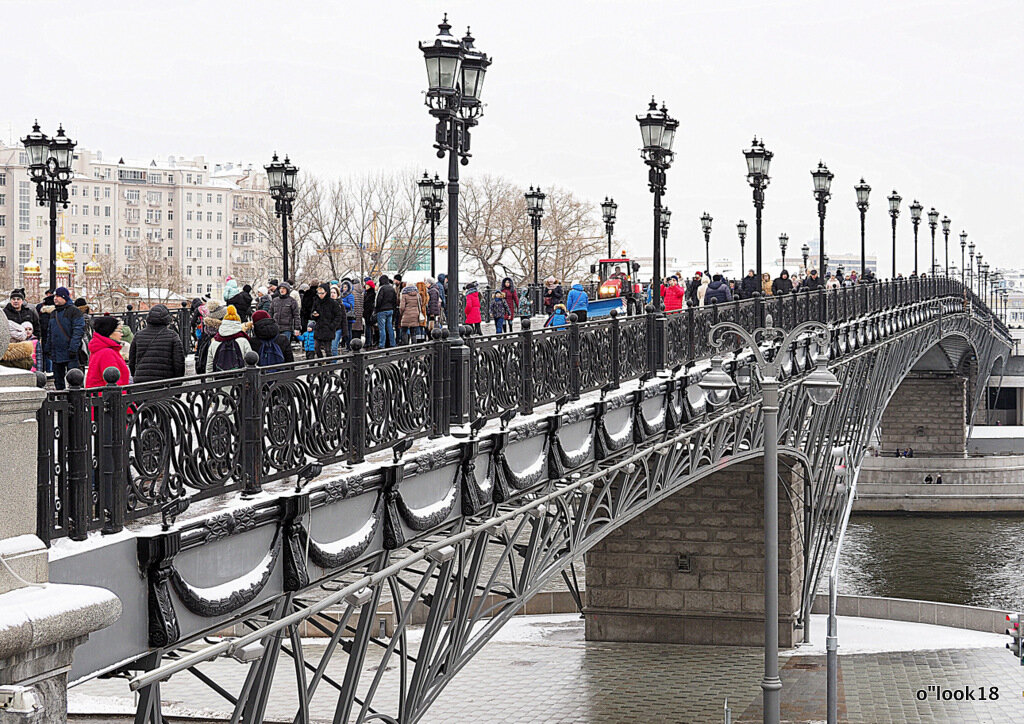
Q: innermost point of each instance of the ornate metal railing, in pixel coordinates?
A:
(180, 322)
(113, 454)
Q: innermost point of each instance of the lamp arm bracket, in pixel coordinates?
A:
(717, 335)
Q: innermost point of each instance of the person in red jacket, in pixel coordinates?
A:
(673, 295)
(105, 351)
(473, 307)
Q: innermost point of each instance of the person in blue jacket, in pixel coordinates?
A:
(64, 336)
(559, 317)
(577, 302)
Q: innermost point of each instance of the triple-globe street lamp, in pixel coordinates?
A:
(281, 177)
(822, 184)
(863, 191)
(783, 245)
(535, 209)
(455, 77)
(705, 225)
(821, 386)
(805, 251)
(432, 201)
(915, 218)
(933, 222)
(608, 210)
(894, 212)
(658, 131)
(741, 229)
(945, 233)
(963, 268)
(977, 280)
(49, 167)
(759, 160)
(970, 272)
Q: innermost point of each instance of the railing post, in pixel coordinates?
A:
(79, 470)
(439, 367)
(113, 496)
(129, 318)
(252, 460)
(527, 389)
(184, 333)
(616, 368)
(691, 342)
(46, 481)
(574, 357)
(655, 339)
(357, 404)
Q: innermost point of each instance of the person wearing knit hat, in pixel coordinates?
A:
(105, 351)
(260, 314)
(63, 293)
(105, 325)
(230, 333)
(65, 329)
(232, 314)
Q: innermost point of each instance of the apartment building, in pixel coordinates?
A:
(130, 212)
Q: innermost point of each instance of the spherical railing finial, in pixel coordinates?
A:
(75, 377)
(111, 375)
(251, 358)
(356, 344)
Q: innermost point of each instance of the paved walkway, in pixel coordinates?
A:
(539, 669)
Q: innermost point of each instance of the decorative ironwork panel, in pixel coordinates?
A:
(551, 360)
(747, 314)
(632, 347)
(497, 373)
(399, 394)
(677, 338)
(595, 361)
(702, 323)
(305, 415)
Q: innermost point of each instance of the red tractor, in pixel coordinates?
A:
(617, 288)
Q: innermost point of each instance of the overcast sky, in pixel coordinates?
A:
(923, 97)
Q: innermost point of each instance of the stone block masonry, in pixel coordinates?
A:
(927, 413)
(637, 592)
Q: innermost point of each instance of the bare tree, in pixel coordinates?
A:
(153, 277)
(267, 227)
(492, 220)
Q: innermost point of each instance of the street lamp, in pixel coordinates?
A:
(977, 283)
(963, 244)
(759, 159)
(535, 209)
(432, 201)
(705, 225)
(666, 218)
(281, 176)
(894, 212)
(821, 386)
(658, 130)
(822, 183)
(945, 233)
(984, 282)
(970, 272)
(783, 243)
(49, 167)
(806, 252)
(741, 228)
(863, 191)
(608, 210)
(455, 77)
(933, 222)
(915, 218)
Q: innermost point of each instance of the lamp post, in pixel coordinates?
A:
(741, 229)
(963, 245)
(759, 160)
(977, 282)
(608, 210)
(805, 251)
(894, 212)
(658, 130)
(432, 200)
(281, 177)
(970, 272)
(705, 225)
(945, 233)
(535, 209)
(933, 222)
(863, 191)
(666, 219)
(984, 278)
(915, 218)
(49, 167)
(783, 244)
(822, 183)
(821, 386)
(455, 77)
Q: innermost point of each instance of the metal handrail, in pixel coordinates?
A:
(832, 635)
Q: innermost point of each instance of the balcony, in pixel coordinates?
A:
(241, 224)
(132, 202)
(132, 220)
(153, 222)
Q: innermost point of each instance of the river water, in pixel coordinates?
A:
(972, 560)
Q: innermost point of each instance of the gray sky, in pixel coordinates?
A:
(924, 97)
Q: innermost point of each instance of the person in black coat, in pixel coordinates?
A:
(812, 282)
(19, 312)
(327, 315)
(156, 352)
(369, 312)
(242, 303)
(782, 285)
(749, 284)
(265, 329)
(307, 295)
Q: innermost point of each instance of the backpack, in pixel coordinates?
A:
(270, 354)
(228, 356)
(202, 349)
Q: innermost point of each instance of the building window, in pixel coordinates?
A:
(3, 179)
(188, 270)
(85, 210)
(132, 194)
(220, 235)
(170, 233)
(3, 220)
(209, 252)
(188, 233)
(170, 252)
(106, 211)
(188, 198)
(209, 198)
(3, 241)
(95, 210)
(220, 270)
(3, 199)
(106, 192)
(209, 234)
(209, 216)
(74, 228)
(188, 216)
(218, 253)
(209, 271)
(131, 176)
(24, 205)
(96, 192)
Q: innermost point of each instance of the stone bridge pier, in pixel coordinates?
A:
(690, 569)
(929, 412)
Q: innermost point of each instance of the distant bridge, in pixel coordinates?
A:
(461, 532)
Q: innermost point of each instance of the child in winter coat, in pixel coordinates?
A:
(558, 318)
(308, 341)
(500, 312)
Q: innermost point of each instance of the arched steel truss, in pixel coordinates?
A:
(472, 574)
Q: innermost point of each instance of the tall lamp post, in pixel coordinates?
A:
(705, 225)
(666, 219)
(977, 283)
(933, 222)
(741, 229)
(945, 233)
(432, 201)
(805, 251)
(281, 175)
(455, 77)
(894, 212)
(970, 272)
(608, 211)
(535, 209)
(821, 386)
(759, 160)
(915, 218)
(783, 245)
(49, 167)
(658, 131)
(822, 183)
(863, 191)
(963, 268)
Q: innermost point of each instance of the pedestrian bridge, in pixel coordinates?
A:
(262, 502)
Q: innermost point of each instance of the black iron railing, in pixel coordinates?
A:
(180, 323)
(114, 454)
